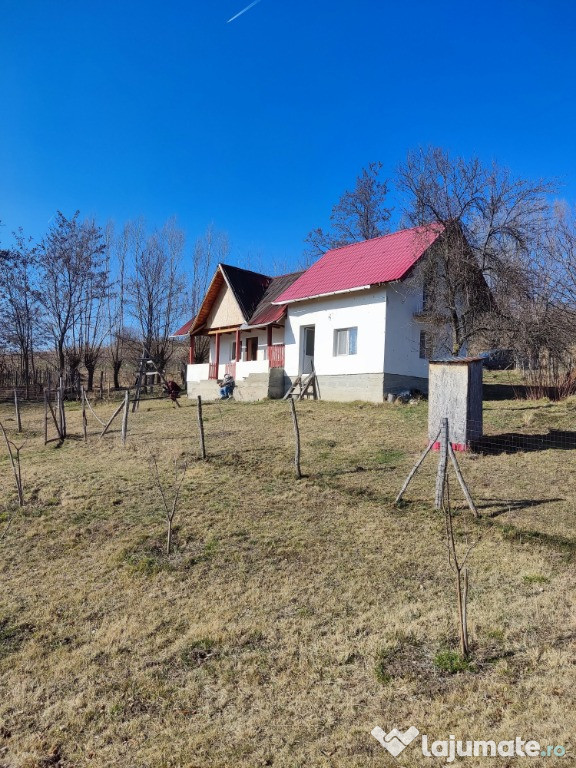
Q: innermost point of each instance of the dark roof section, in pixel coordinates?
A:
(253, 292)
(266, 313)
(247, 287)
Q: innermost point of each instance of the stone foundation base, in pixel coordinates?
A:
(371, 387)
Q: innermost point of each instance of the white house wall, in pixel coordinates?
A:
(402, 351)
(365, 311)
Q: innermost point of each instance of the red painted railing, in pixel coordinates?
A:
(276, 355)
(231, 369)
(212, 371)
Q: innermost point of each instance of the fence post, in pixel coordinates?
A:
(201, 428)
(125, 416)
(442, 464)
(296, 439)
(17, 411)
(46, 396)
(84, 419)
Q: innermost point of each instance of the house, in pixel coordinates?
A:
(355, 318)
(246, 332)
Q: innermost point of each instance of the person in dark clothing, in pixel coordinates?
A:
(173, 391)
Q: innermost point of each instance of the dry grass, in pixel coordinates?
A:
(293, 616)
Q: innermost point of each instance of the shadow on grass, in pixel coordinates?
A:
(500, 507)
(560, 543)
(353, 471)
(515, 442)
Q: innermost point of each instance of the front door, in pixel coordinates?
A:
(307, 357)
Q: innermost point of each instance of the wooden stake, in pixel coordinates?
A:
(125, 416)
(45, 417)
(415, 469)
(107, 427)
(17, 410)
(296, 439)
(15, 465)
(84, 417)
(201, 429)
(61, 411)
(56, 423)
(462, 481)
(442, 464)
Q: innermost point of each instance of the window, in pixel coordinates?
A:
(345, 341)
(428, 297)
(233, 351)
(425, 345)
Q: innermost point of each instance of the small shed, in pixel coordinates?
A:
(455, 393)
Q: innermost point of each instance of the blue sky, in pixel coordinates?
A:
(122, 109)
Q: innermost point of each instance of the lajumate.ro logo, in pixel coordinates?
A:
(449, 749)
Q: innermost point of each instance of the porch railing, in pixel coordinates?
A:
(231, 369)
(213, 371)
(276, 356)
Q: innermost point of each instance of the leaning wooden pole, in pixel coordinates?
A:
(116, 412)
(201, 429)
(17, 411)
(296, 439)
(415, 469)
(442, 464)
(125, 416)
(15, 466)
(462, 482)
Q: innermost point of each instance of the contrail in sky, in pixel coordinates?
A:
(243, 11)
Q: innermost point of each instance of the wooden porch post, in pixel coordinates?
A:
(191, 352)
(268, 343)
(238, 345)
(217, 353)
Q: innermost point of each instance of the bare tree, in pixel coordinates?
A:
(117, 249)
(494, 228)
(19, 303)
(360, 214)
(72, 275)
(156, 286)
(170, 507)
(211, 249)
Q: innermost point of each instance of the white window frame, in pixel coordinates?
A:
(349, 339)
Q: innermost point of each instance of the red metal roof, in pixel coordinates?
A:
(266, 312)
(359, 265)
(185, 330)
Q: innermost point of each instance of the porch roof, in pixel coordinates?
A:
(253, 292)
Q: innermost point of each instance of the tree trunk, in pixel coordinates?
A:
(116, 365)
(90, 383)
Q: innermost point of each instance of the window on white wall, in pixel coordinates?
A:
(426, 350)
(345, 341)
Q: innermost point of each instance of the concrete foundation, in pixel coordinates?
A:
(257, 386)
(394, 384)
(371, 387)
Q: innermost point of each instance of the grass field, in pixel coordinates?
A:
(293, 615)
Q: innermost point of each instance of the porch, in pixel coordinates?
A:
(256, 366)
